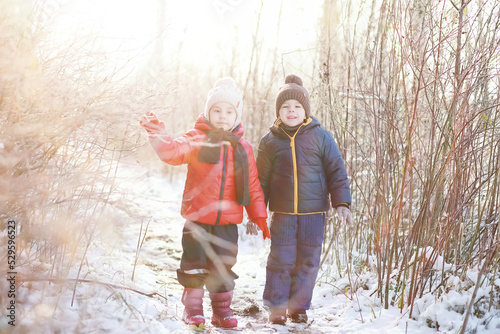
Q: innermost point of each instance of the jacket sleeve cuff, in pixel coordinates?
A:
(346, 205)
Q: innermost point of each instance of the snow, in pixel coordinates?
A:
(109, 301)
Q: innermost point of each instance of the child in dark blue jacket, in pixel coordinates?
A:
(301, 172)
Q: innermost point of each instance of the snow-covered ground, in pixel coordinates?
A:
(150, 303)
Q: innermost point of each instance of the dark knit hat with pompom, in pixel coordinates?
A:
(293, 89)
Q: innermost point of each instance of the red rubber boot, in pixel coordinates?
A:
(222, 316)
(193, 306)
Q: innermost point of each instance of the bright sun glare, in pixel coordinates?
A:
(199, 32)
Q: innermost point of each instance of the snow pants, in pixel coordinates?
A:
(208, 256)
(293, 263)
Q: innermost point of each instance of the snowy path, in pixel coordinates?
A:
(145, 195)
(154, 197)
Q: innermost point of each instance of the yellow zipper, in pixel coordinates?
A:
(295, 176)
(295, 172)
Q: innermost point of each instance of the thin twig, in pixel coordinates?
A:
(73, 280)
(139, 245)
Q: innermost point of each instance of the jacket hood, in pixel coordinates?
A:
(202, 123)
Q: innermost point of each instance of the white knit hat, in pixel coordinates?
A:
(225, 90)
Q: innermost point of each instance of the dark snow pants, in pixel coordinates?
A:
(209, 254)
(293, 263)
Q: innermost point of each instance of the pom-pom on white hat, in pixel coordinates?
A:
(225, 90)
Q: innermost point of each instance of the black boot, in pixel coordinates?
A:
(297, 315)
(277, 316)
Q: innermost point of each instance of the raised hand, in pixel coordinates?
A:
(150, 122)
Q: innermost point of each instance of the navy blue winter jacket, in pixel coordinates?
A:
(298, 173)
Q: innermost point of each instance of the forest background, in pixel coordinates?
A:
(409, 89)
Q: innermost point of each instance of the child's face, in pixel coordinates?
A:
(222, 115)
(292, 113)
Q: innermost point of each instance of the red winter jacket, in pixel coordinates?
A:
(210, 192)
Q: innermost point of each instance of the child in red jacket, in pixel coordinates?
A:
(221, 179)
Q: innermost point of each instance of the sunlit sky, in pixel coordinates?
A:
(197, 33)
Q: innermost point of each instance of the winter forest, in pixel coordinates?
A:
(90, 234)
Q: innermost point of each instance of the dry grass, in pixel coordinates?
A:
(416, 112)
(64, 130)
